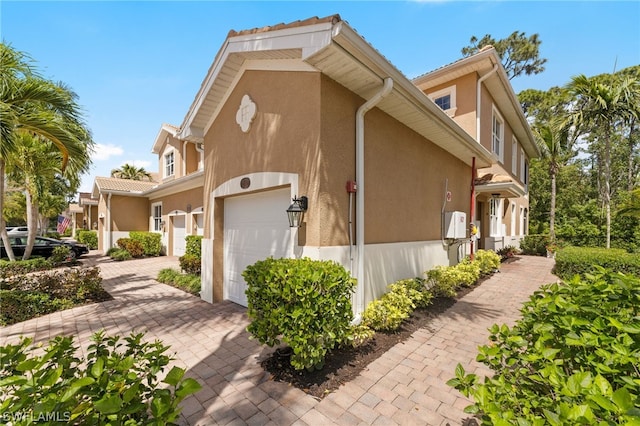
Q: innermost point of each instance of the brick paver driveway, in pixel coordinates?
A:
(405, 386)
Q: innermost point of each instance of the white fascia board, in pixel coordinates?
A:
(164, 131)
(309, 39)
(353, 43)
(184, 183)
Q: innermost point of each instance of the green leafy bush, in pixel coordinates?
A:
(468, 272)
(507, 252)
(535, 244)
(29, 296)
(194, 245)
(118, 382)
(580, 260)
(132, 246)
(360, 334)
(62, 254)
(190, 264)
(151, 242)
(21, 267)
(415, 289)
(388, 312)
(305, 303)
(187, 282)
(119, 254)
(90, 238)
(571, 359)
(488, 261)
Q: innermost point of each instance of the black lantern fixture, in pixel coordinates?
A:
(296, 210)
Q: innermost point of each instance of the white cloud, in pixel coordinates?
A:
(106, 151)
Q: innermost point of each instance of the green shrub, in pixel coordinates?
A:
(120, 255)
(21, 267)
(190, 264)
(360, 334)
(90, 238)
(118, 382)
(571, 359)
(415, 289)
(112, 250)
(151, 242)
(303, 302)
(133, 247)
(187, 282)
(507, 252)
(488, 261)
(194, 245)
(442, 281)
(468, 272)
(29, 296)
(388, 312)
(572, 261)
(535, 244)
(62, 254)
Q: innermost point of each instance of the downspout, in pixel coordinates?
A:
(109, 221)
(478, 100)
(184, 158)
(364, 108)
(200, 149)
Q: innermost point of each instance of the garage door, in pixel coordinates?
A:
(255, 227)
(179, 234)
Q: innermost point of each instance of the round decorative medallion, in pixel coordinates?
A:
(245, 183)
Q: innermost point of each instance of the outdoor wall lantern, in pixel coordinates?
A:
(296, 210)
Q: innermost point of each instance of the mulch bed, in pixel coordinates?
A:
(344, 364)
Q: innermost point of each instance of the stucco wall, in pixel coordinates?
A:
(129, 213)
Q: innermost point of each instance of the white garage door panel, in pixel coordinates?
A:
(179, 234)
(255, 227)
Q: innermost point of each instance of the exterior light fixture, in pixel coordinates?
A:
(296, 210)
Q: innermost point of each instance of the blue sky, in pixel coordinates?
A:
(136, 65)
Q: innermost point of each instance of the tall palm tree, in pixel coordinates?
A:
(555, 140)
(599, 106)
(32, 105)
(130, 171)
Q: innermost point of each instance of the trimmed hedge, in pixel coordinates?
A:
(572, 261)
(151, 242)
(134, 247)
(304, 303)
(90, 238)
(187, 282)
(20, 267)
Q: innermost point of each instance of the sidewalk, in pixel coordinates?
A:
(405, 386)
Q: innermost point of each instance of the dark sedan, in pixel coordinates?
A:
(42, 247)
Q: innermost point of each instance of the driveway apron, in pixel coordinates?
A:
(405, 386)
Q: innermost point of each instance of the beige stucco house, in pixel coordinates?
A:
(309, 108)
(170, 204)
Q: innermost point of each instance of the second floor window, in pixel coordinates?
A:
(445, 99)
(497, 139)
(444, 102)
(169, 164)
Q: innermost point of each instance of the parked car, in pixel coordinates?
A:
(18, 231)
(42, 247)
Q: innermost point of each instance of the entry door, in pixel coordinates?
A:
(255, 228)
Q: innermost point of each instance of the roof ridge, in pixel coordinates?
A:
(300, 23)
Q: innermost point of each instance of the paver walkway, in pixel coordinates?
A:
(405, 386)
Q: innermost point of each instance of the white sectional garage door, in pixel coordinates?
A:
(179, 228)
(255, 227)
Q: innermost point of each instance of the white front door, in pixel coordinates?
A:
(179, 233)
(255, 228)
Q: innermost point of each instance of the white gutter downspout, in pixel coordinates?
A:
(364, 108)
(108, 222)
(184, 158)
(478, 100)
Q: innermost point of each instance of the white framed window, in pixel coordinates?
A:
(445, 99)
(514, 156)
(513, 219)
(156, 217)
(497, 135)
(522, 220)
(169, 164)
(495, 217)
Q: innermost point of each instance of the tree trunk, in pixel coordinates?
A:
(552, 208)
(3, 227)
(32, 221)
(607, 183)
(630, 177)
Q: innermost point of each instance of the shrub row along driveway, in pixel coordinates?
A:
(405, 386)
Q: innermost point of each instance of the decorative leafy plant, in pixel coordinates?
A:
(90, 238)
(151, 242)
(116, 384)
(132, 246)
(488, 261)
(571, 359)
(579, 260)
(303, 302)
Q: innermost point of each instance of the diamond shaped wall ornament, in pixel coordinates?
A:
(246, 113)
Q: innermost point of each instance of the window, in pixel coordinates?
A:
(525, 177)
(495, 221)
(168, 164)
(513, 219)
(522, 220)
(497, 140)
(522, 159)
(445, 99)
(156, 217)
(514, 157)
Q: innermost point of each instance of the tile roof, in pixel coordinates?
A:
(123, 185)
(334, 19)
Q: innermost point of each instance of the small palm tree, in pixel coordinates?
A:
(599, 106)
(129, 171)
(555, 141)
